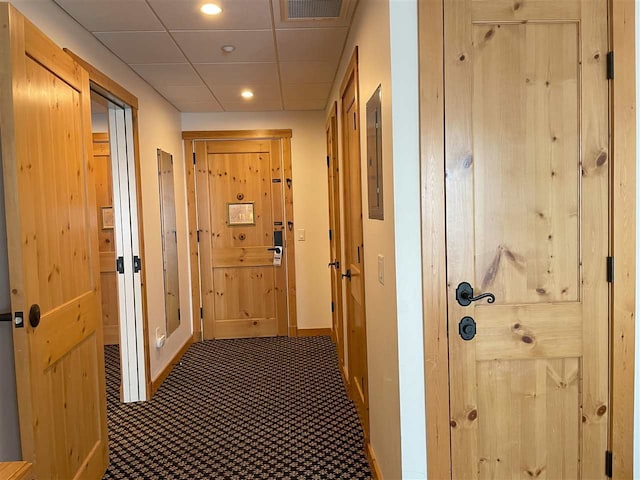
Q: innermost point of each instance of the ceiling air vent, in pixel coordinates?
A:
(314, 8)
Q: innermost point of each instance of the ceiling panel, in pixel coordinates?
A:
(308, 72)
(257, 106)
(186, 94)
(237, 73)
(310, 91)
(281, 21)
(310, 44)
(112, 15)
(191, 106)
(236, 15)
(305, 104)
(204, 46)
(168, 74)
(231, 93)
(142, 47)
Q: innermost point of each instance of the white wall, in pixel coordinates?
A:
(310, 199)
(370, 32)
(159, 127)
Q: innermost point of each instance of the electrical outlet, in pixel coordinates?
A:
(381, 269)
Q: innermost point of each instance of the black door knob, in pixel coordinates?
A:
(34, 315)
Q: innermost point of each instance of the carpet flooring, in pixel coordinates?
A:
(272, 408)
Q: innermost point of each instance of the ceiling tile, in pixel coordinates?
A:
(305, 104)
(312, 44)
(262, 93)
(310, 91)
(142, 47)
(165, 74)
(238, 73)
(308, 72)
(204, 47)
(107, 15)
(191, 106)
(236, 15)
(186, 94)
(258, 106)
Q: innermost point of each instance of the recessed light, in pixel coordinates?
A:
(247, 94)
(228, 48)
(210, 9)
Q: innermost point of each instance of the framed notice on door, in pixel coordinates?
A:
(107, 218)
(240, 214)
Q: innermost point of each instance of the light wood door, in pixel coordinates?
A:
(106, 241)
(354, 254)
(240, 208)
(53, 254)
(335, 238)
(527, 172)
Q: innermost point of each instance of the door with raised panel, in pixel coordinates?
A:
(54, 272)
(240, 197)
(527, 178)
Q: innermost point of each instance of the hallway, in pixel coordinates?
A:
(240, 409)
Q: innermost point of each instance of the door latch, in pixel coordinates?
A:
(137, 264)
(120, 265)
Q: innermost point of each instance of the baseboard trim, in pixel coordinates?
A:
(373, 463)
(155, 384)
(314, 332)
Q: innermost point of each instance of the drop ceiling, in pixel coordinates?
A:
(288, 63)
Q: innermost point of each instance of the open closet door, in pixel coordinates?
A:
(53, 253)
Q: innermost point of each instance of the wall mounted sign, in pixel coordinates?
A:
(241, 214)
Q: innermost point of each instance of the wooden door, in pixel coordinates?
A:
(240, 208)
(53, 254)
(354, 251)
(527, 172)
(335, 239)
(106, 240)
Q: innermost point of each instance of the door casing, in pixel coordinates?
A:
(622, 232)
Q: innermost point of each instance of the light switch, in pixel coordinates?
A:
(301, 235)
(381, 269)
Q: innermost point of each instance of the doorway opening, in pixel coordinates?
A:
(119, 242)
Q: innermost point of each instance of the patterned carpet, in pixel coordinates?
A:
(271, 408)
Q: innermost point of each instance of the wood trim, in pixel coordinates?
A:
(155, 384)
(194, 256)
(623, 241)
(623, 238)
(373, 462)
(96, 76)
(351, 72)
(235, 134)
(16, 471)
(314, 332)
(436, 348)
(290, 241)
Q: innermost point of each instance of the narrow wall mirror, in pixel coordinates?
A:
(169, 241)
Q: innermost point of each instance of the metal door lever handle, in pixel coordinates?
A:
(334, 264)
(464, 295)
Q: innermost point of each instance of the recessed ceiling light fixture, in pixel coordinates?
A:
(228, 48)
(247, 94)
(210, 9)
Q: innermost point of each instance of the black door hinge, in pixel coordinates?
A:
(194, 158)
(137, 264)
(327, 161)
(610, 269)
(198, 236)
(330, 235)
(120, 265)
(178, 314)
(609, 65)
(201, 312)
(608, 463)
(333, 307)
